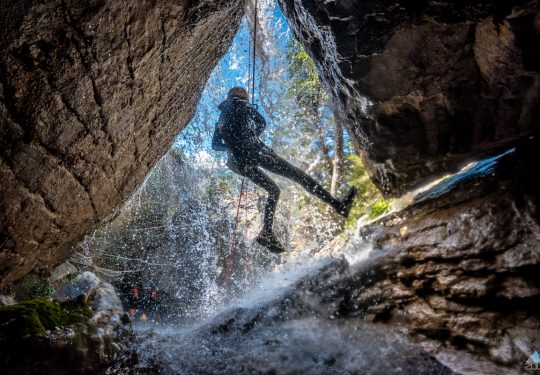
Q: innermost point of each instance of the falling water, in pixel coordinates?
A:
(175, 235)
(198, 298)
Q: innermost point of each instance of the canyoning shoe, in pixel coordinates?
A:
(345, 203)
(270, 241)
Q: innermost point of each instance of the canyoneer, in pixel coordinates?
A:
(238, 132)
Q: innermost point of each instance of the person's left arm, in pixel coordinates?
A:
(218, 144)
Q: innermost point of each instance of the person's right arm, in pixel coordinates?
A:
(218, 144)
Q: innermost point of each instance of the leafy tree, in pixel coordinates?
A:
(311, 100)
(305, 87)
(368, 202)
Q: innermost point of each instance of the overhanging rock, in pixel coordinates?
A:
(91, 95)
(425, 86)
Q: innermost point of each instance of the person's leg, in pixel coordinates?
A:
(266, 237)
(270, 161)
(262, 180)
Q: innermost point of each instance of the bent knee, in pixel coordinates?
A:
(273, 191)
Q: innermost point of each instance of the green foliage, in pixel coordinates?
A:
(45, 289)
(32, 285)
(308, 123)
(306, 86)
(379, 207)
(368, 201)
(39, 314)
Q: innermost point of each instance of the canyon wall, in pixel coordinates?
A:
(91, 95)
(424, 86)
(459, 268)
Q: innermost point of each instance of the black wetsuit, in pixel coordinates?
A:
(237, 131)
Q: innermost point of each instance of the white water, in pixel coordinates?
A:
(174, 236)
(280, 326)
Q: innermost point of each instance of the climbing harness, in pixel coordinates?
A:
(252, 53)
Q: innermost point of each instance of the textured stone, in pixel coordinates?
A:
(7, 300)
(423, 86)
(474, 286)
(91, 96)
(63, 270)
(439, 302)
(84, 347)
(504, 352)
(83, 284)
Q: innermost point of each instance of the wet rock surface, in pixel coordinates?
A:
(91, 95)
(423, 86)
(295, 332)
(461, 268)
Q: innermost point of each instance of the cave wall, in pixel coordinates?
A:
(424, 86)
(459, 268)
(92, 93)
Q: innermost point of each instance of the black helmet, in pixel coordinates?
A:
(238, 92)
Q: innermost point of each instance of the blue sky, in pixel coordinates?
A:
(231, 71)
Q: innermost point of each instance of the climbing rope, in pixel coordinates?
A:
(225, 276)
(254, 49)
(247, 269)
(232, 251)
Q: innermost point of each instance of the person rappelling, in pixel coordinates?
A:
(238, 131)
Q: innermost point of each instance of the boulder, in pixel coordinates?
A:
(91, 95)
(7, 301)
(63, 270)
(463, 277)
(83, 334)
(424, 87)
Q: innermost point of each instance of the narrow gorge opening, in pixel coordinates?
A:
(174, 236)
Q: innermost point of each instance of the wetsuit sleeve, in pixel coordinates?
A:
(218, 144)
(258, 119)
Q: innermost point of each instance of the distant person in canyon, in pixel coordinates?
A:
(238, 132)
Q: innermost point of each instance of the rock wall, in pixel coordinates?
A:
(459, 268)
(91, 95)
(423, 86)
(80, 335)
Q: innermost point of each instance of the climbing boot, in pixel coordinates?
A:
(270, 241)
(345, 203)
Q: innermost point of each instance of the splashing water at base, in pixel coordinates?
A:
(305, 345)
(282, 326)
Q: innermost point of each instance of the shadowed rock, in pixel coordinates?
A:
(423, 86)
(80, 335)
(91, 96)
(459, 267)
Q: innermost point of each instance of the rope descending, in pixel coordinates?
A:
(225, 275)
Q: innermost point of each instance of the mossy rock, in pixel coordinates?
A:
(39, 314)
(31, 286)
